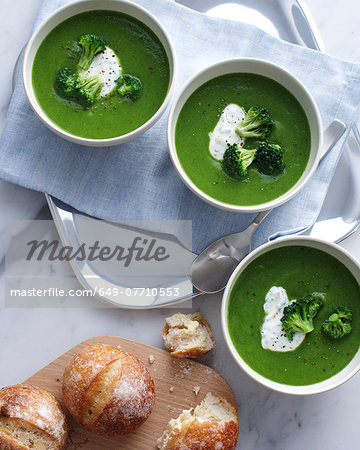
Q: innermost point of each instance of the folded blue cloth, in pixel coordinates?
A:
(137, 180)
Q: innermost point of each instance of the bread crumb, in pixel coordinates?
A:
(196, 390)
(151, 359)
(171, 389)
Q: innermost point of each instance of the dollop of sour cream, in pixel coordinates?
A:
(107, 65)
(224, 133)
(272, 334)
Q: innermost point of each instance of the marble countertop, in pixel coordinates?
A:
(31, 338)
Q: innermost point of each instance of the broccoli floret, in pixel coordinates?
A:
(129, 86)
(298, 316)
(269, 159)
(257, 123)
(65, 83)
(91, 46)
(81, 88)
(236, 161)
(338, 325)
(88, 88)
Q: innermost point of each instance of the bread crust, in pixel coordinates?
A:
(108, 391)
(206, 436)
(194, 352)
(211, 427)
(32, 412)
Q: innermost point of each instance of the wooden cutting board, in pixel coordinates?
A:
(169, 373)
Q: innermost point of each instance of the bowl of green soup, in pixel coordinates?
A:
(291, 315)
(99, 72)
(245, 135)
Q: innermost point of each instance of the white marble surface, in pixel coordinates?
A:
(31, 338)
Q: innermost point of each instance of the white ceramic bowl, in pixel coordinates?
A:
(276, 73)
(71, 9)
(332, 249)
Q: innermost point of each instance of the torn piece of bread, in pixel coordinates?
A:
(188, 335)
(212, 425)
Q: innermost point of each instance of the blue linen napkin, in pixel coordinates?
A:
(137, 180)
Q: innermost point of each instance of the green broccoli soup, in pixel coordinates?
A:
(100, 74)
(243, 139)
(300, 288)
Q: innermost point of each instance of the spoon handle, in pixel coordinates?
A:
(257, 221)
(331, 135)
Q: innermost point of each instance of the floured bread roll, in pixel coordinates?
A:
(108, 391)
(212, 425)
(188, 335)
(31, 418)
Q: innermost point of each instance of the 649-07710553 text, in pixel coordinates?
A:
(109, 292)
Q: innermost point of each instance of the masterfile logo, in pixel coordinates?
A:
(139, 250)
(132, 263)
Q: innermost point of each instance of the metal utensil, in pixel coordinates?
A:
(211, 269)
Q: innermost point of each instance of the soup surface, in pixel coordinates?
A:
(200, 115)
(300, 271)
(140, 53)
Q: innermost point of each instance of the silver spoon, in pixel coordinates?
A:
(211, 269)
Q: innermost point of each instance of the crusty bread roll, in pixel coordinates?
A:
(108, 391)
(188, 335)
(212, 425)
(31, 418)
